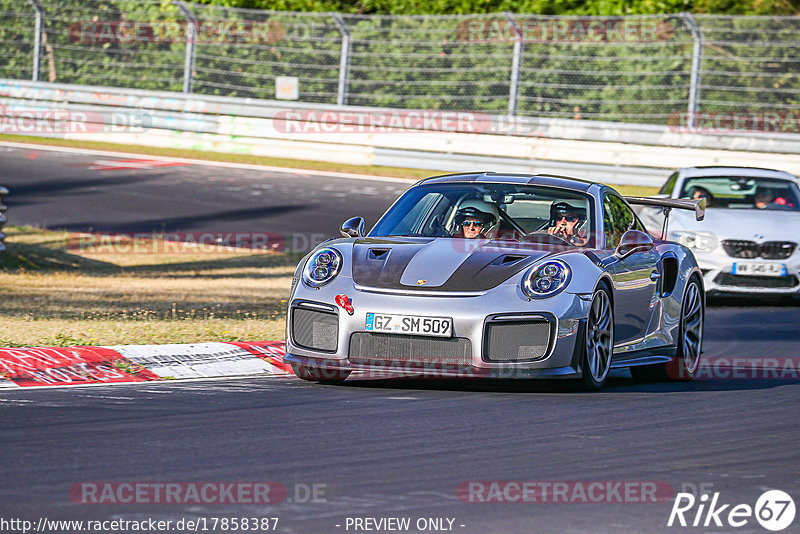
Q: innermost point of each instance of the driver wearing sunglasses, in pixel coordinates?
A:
(565, 222)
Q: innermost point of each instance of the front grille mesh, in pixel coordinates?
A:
(771, 250)
(777, 250)
(315, 330)
(741, 249)
(517, 341)
(385, 349)
(766, 282)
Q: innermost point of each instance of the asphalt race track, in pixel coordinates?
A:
(379, 449)
(80, 192)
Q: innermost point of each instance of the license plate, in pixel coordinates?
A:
(759, 269)
(416, 325)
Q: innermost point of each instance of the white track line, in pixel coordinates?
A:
(190, 161)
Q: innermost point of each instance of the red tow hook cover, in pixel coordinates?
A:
(344, 302)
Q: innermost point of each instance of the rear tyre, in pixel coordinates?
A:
(684, 366)
(317, 374)
(599, 342)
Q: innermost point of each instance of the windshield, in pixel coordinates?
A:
(521, 213)
(743, 192)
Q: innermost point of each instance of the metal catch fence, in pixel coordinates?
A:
(649, 69)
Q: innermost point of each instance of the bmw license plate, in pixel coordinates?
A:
(409, 324)
(759, 269)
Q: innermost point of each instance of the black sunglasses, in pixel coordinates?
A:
(476, 224)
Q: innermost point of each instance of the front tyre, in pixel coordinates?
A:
(318, 374)
(599, 343)
(684, 366)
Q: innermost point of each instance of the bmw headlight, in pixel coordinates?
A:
(322, 267)
(546, 279)
(704, 241)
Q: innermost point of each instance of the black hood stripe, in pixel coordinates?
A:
(483, 268)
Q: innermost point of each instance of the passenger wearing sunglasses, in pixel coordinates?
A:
(472, 228)
(566, 222)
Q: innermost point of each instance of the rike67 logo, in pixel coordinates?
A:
(774, 510)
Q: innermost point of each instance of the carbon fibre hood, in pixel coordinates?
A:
(440, 264)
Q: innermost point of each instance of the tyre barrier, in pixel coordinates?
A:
(80, 366)
(3, 208)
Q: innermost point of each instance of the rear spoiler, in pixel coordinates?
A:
(666, 205)
(698, 206)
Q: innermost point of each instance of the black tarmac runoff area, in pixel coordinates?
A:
(381, 455)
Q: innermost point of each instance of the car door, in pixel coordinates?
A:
(632, 274)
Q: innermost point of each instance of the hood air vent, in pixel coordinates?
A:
(508, 259)
(378, 253)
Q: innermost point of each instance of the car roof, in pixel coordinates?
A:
(552, 180)
(719, 170)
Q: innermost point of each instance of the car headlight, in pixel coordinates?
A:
(322, 267)
(705, 241)
(546, 279)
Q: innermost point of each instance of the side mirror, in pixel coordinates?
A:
(353, 227)
(634, 241)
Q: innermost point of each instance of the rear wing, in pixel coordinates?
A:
(698, 206)
(667, 204)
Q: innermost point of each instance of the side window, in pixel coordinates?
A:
(608, 223)
(638, 225)
(667, 188)
(618, 219)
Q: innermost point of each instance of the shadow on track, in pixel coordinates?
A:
(616, 385)
(752, 301)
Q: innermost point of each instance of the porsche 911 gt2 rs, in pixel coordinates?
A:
(500, 276)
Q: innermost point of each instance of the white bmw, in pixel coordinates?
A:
(748, 242)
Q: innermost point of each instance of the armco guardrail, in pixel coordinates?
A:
(454, 141)
(3, 194)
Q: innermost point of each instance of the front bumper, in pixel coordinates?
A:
(472, 316)
(719, 277)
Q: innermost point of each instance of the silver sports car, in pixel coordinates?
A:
(500, 276)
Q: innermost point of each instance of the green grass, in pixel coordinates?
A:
(54, 295)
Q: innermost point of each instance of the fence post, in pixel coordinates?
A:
(191, 37)
(344, 59)
(37, 38)
(697, 59)
(516, 63)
